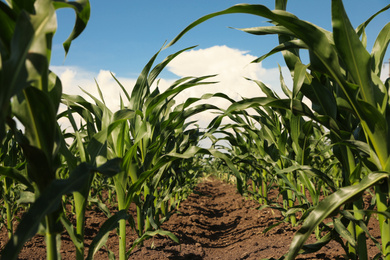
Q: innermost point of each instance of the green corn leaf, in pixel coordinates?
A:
(14, 174)
(290, 185)
(149, 234)
(79, 141)
(353, 53)
(7, 27)
(318, 40)
(362, 224)
(141, 87)
(364, 151)
(343, 231)
(243, 8)
(14, 73)
(285, 89)
(266, 90)
(102, 236)
(82, 9)
(375, 126)
(97, 147)
(39, 107)
(122, 87)
(379, 49)
(299, 77)
(99, 103)
(110, 168)
(19, 5)
(328, 206)
(319, 244)
(288, 45)
(48, 201)
(71, 232)
(26, 197)
(265, 30)
(101, 205)
(298, 106)
(172, 92)
(314, 193)
(295, 132)
(323, 100)
(72, 100)
(100, 92)
(36, 112)
(364, 25)
(280, 4)
(158, 68)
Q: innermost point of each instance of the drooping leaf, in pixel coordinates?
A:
(328, 206)
(82, 10)
(14, 174)
(102, 236)
(379, 49)
(353, 53)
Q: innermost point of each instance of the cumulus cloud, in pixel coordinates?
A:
(231, 67)
(74, 79)
(385, 73)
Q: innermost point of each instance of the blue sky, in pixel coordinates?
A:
(122, 35)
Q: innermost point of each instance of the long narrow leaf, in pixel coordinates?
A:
(328, 206)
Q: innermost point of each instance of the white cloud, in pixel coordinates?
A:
(231, 65)
(74, 78)
(385, 73)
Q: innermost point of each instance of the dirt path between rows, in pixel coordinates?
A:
(215, 222)
(218, 223)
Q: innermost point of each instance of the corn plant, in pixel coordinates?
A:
(156, 138)
(150, 136)
(275, 152)
(348, 98)
(13, 178)
(31, 93)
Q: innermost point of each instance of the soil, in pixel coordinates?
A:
(215, 222)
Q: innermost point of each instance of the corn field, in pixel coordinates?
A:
(321, 146)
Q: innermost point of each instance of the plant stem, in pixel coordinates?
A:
(140, 221)
(122, 239)
(51, 242)
(352, 249)
(146, 194)
(9, 220)
(360, 236)
(264, 187)
(80, 205)
(119, 181)
(290, 200)
(381, 202)
(8, 208)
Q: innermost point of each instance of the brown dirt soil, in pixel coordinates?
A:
(215, 222)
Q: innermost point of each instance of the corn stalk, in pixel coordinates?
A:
(344, 86)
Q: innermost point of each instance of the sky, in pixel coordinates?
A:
(122, 36)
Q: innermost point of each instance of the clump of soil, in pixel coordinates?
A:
(215, 222)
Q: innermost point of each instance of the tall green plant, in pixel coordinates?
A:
(150, 134)
(31, 92)
(344, 86)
